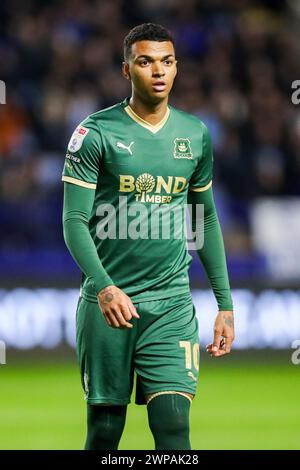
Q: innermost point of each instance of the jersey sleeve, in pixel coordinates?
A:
(83, 155)
(201, 179)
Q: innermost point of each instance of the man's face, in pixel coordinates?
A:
(151, 69)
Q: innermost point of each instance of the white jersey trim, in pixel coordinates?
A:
(152, 128)
(84, 184)
(203, 188)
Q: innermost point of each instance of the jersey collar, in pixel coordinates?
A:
(152, 128)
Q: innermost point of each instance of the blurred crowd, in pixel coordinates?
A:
(61, 60)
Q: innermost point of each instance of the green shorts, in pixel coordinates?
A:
(162, 348)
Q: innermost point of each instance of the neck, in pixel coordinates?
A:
(150, 112)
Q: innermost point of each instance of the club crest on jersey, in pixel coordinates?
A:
(182, 148)
(77, 138)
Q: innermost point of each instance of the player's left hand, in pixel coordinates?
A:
(223, 334)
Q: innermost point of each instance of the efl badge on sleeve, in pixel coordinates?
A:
(182, 148)
(77, 138)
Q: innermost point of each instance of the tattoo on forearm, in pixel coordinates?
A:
(228, 320)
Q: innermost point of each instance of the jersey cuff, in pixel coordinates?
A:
(200, 189)
(84, 184)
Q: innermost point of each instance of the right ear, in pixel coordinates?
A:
(125, 70)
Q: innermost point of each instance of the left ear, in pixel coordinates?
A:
(125, 70)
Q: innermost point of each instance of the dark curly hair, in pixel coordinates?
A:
(145, 32)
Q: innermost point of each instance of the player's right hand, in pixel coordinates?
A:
(116, 307)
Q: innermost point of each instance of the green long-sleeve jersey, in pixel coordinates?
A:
(137, 177)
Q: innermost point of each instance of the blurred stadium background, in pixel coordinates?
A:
(60, 61)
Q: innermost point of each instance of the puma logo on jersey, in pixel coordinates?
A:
(123, 146)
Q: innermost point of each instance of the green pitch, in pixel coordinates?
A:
(244, 401)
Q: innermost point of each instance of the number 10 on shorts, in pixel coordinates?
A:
(191, 354)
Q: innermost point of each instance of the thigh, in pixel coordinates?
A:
(167, 349)
(105, 356)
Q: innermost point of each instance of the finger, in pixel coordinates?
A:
(107, 320)
(209, 347)
(112, 319)
(209, 350)
(106, 317)
(105, 313)
(133, 310)
(228, 345)
(220, 353)
(217, 340)
(225, 349)
(125, 312)
(121, 320)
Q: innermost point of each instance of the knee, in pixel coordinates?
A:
(174, 426)
(105, 426)
(173, 415)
